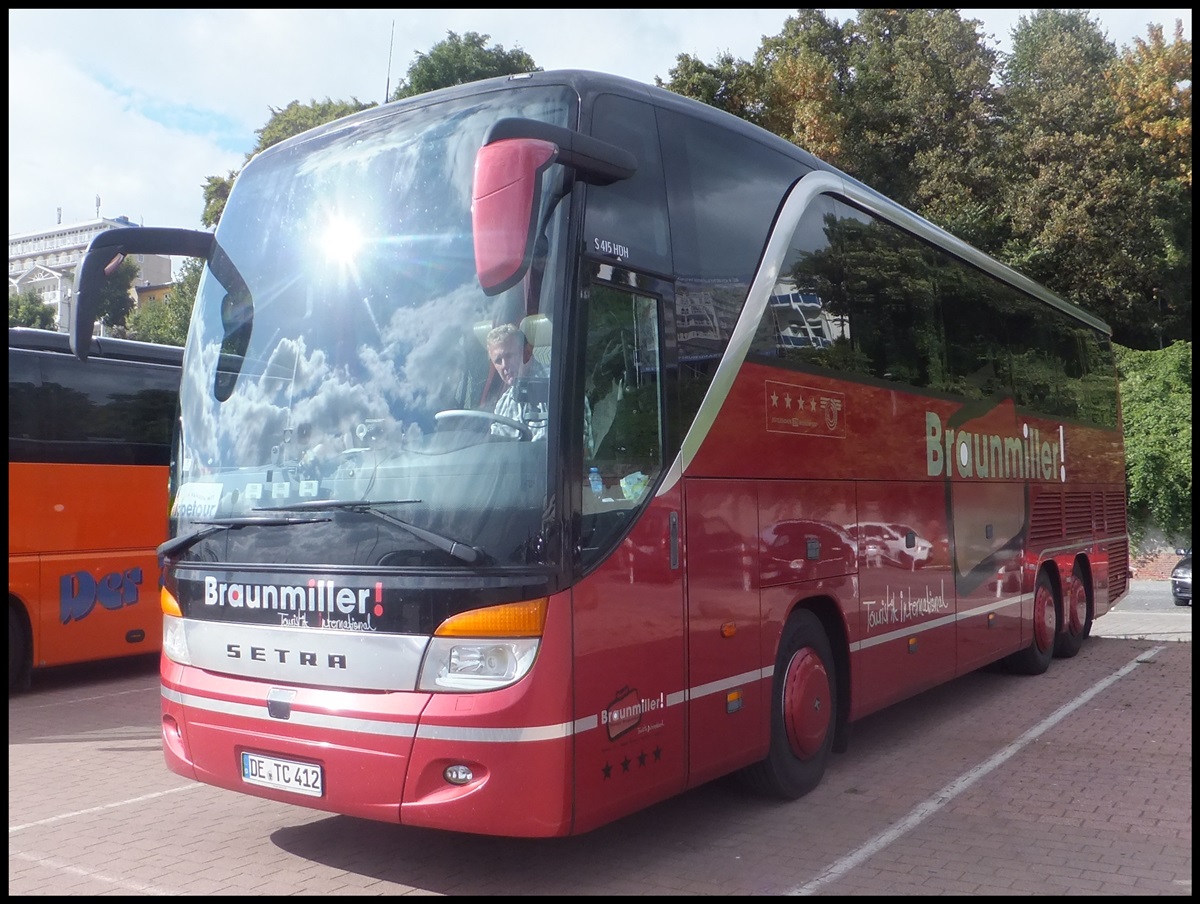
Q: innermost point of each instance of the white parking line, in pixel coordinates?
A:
(54, 701)
(927, 808)
(125, 884)
(121, 803)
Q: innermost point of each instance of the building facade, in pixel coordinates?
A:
(45, 261)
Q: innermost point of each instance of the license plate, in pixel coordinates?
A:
(286, 775)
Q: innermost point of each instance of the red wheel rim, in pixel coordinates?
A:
(806, 703)
(1043, 617)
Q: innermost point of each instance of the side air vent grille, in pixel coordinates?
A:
(1078, 515)
(1118, 568)
(1114, 513)
(1046, 519)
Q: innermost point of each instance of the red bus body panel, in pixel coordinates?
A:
(383, 754)
(630, 675)
(867, 452)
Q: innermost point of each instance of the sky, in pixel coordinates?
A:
(139, 107)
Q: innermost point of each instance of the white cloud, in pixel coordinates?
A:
(73, 139)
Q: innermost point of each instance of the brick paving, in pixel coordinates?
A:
(1075, 782)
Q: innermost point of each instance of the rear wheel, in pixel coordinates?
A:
(1077, 617)
(1035, 658)
(803, 711)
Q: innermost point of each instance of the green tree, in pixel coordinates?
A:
(1151, 85)
(27, 309)
(281, 125)
(734, 86)
(115, 298)
(216, 193)
(807, 72)
(458, 60)
(919, 110)
(1087, 216)
(1064, 159)
(297, 117)
(166, 321)
(901, 99)
(1156, 399)
(1152, 88)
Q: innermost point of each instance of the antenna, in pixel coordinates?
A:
(388, 87)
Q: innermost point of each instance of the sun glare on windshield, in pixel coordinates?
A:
(342, 240)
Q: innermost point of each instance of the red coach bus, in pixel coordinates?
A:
(779, 453)
(88, 454)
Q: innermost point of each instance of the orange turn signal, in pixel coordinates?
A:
(170, 605)
(524, 619)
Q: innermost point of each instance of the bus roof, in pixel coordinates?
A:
(589, 84)
(101, 346)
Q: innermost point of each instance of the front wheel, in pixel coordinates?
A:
(803, 712)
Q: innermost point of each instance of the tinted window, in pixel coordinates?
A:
(627, 221)
(101, 412)
(724, 190)
(859, 295)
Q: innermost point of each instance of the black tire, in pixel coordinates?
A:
(804, 710)
(18, 645)
(1076, 617)
(1035, 658)
(1179, 602)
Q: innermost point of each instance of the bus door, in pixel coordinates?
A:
(728, 701)
(630, 676)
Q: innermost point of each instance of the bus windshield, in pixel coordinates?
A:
(339, 358)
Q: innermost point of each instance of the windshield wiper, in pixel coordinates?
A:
(184, 542)
(460, 551)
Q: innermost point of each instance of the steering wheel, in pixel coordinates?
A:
(490, 417)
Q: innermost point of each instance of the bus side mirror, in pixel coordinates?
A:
(105, 254)
(505, 202)
(506, 198)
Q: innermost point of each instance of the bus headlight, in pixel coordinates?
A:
(174, 644)
(484, 664)
(484, 649)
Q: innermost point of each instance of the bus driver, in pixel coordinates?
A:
(512, 357)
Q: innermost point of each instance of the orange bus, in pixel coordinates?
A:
(88, 453)
(783, 454)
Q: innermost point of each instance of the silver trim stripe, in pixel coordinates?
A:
(808, 188)
(724, 684)
(428, 732)
(918, 628)
(258, 712)
(532, 733)
(1082, 545)
(802, 195)
(496, 735)
(369, 660)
